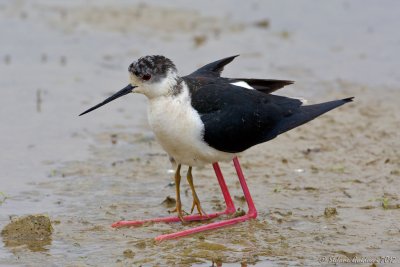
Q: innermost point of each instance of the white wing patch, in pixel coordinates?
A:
(242, 84)
(303, 100)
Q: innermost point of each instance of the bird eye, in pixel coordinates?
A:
(146, 77)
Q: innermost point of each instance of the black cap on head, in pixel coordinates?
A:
(156, 66)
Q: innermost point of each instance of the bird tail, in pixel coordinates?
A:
(306, 114)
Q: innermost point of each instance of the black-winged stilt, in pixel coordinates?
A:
(203, 118)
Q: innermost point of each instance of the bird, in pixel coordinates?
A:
(204, 118)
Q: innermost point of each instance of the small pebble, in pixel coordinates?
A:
(169, 202)
(329, 212)
(128, 253)
(262, 23)
(199, 40)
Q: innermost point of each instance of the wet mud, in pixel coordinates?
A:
(326, 190)
(314, 199)
(32, 231)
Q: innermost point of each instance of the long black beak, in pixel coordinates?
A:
(128, 89)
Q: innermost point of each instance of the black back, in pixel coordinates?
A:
(236, 118)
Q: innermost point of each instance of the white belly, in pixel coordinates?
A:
(179, 130)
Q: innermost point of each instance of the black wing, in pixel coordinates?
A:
(208, 73)
(263, 85)
(236, 118)
(213, 69)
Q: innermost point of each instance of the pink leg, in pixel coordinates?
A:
(230, 208)
(252, 213)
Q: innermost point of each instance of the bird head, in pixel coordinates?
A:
(153, 76)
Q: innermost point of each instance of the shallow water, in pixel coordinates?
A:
(57, 59)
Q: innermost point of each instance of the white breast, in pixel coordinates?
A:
(179, 130)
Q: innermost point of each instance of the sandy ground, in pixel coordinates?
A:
(85, 173)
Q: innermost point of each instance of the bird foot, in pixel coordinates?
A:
(210, 226)
(188, 218)
(196, 203)
(178, 209)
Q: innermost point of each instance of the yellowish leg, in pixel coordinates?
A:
(178, 208)
(196, 201)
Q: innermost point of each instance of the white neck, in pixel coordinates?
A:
(164, 87)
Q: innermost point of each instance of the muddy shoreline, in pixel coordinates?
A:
(326, 190)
